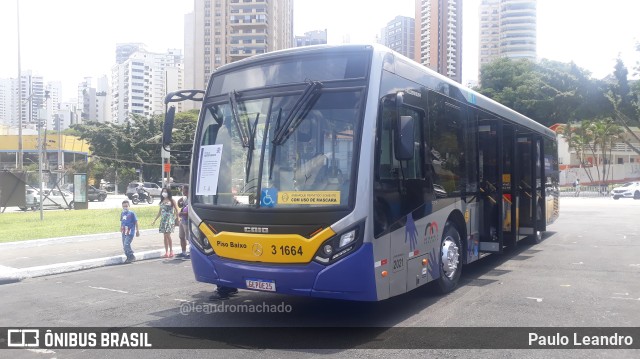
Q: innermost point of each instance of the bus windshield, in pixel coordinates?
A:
(282, 151)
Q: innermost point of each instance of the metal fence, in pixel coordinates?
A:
(586, 191)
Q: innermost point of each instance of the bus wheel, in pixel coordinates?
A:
(450, 265)
(536, 237)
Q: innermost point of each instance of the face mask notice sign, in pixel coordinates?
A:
(208, 170)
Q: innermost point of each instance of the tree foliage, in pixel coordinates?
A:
(136, 145)
(548, 92)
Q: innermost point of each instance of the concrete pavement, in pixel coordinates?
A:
(35, 258)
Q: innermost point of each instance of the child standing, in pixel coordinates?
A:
(128, 223)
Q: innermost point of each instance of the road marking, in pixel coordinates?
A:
(565, 285)
(620, 293)
(578, 263)
(536, 299)
(181, 300)
(634, 265)
(638, 299)
(42, 351)
(111, 290)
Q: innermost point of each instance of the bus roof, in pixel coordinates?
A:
(410, 70)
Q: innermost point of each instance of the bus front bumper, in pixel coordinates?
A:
(351, 278)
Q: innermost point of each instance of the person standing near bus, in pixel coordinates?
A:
(183, 229)
(128, 223)
(168, 214)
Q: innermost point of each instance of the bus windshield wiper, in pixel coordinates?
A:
(251, 145)
(272, 159)
(244, 136)
(298, 111)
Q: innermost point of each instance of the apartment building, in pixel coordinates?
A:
(438, 36)
(399, 35)
(219, 32)
(508, 28)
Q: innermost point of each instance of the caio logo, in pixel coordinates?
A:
(256, 230)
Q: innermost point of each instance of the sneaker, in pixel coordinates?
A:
(127, 261)
(132, 258)
(180, 255)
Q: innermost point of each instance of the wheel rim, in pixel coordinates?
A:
(450, 257)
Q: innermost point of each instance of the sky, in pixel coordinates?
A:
(67, 40)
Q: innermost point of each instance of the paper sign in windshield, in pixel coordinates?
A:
(309, 197)
(209, 170)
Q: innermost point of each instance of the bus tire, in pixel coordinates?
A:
(450, 264)
(536, 237)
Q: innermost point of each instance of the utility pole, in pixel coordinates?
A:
(20, 149)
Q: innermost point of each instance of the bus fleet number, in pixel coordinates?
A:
(287, 250)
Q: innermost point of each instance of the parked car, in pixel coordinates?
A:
(32, 199)
(152, 188)
(94, 194)
(627, 190)
(57, 198)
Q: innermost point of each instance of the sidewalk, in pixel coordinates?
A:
(36, 258)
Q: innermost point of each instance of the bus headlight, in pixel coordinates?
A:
(340, 245)
(199, 239)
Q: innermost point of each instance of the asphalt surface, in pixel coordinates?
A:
(584, 274)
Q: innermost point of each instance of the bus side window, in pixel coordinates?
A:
(447, 119)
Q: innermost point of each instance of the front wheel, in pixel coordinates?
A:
(636, 195)
(150, 199)
(102, 197)
(450, 265)
(616, 197)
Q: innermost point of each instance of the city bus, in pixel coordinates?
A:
(351, 172)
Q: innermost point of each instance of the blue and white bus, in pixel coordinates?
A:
(352, 172)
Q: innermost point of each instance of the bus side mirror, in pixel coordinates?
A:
(403, 134)
(404, 138)
(168, 126)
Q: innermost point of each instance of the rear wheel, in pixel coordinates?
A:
(536, 237)
(636, 195)
(450, 265)
(616, 197)
(135, 200)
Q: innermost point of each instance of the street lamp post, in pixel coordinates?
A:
(20, 149)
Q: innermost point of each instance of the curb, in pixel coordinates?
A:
(13, 275)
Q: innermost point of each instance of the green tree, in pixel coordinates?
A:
(549, 92)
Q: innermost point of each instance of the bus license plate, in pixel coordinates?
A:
(261, 284)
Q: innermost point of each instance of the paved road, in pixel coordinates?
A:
(585, 274)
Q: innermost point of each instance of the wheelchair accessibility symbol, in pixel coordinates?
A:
(269, 197)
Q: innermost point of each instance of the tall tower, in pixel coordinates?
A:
(508, 28)
(399, 35)
(219, 32)
(439, 33)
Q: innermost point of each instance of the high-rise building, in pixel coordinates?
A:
(33, 99)
(316, 37)
(507, 29)
(123, 51)
(8, 115)
(399, 35)
(142, 81)
(219, 32)
(439, 35)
